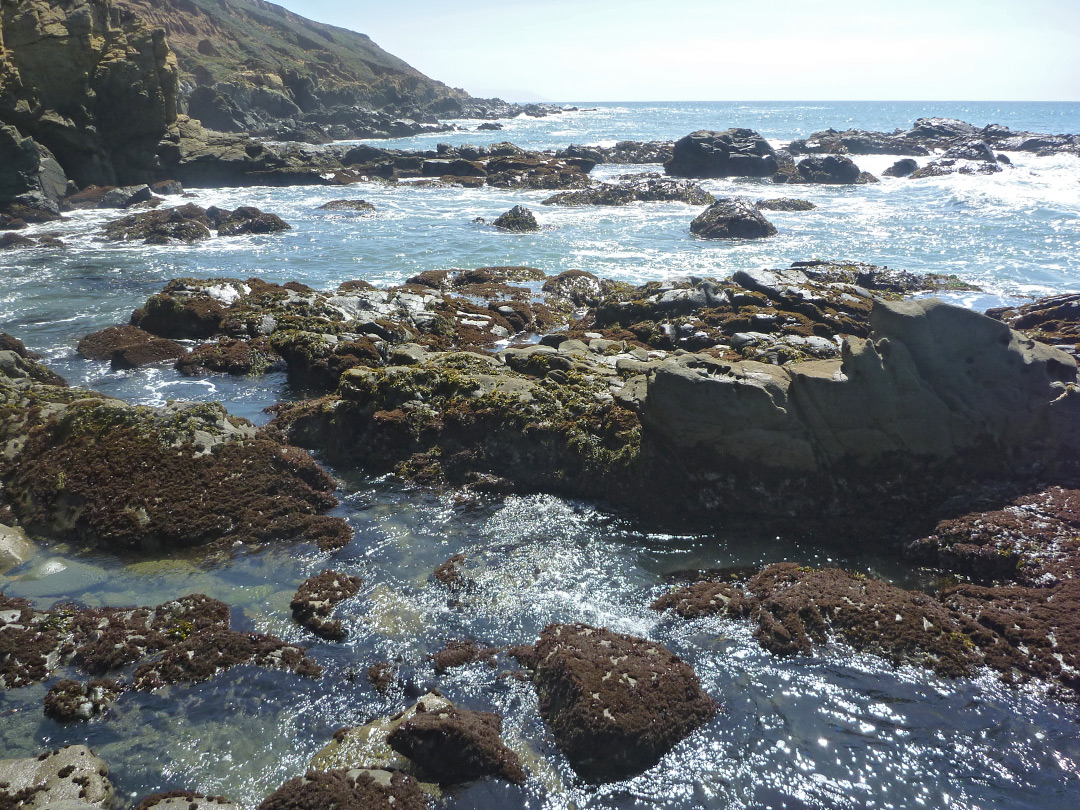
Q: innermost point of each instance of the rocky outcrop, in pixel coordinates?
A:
(1054, 320)
(615, 703)
(969, 157)
(785, 204)
(359, 206)
(731, 153)
(518, 219)
(190, 223)
(623, 152)
(128, 347)
(648, 188)
(29, 173)
(732, 218)
(70, 700)
(316, 598)
(93, 86)
(902, 168)
(68, 776)
(68, 473)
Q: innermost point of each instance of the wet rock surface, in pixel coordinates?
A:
(732, 218)
(70, 774)
(785, 204)
(519, 219)
(316, 598)
(190, 223)
(70, 700)
(457, 745)
(623, 152)
(645, 189)
(615, 703)
(824, 169)
(1054, 320)
(128, 347)
(185, 800)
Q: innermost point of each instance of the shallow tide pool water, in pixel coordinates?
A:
(838, 730)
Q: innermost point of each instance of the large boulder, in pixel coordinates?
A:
(615, 703)
(732, 218)
(519, 219)
(935, 396)
(27, 167)
(348, 790)
(732, 153)
(67, 775)
(826, 169)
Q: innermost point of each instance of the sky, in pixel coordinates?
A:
(715, 50)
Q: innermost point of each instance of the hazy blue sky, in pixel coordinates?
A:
(627, 50)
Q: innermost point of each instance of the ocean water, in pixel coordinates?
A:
(838, 730)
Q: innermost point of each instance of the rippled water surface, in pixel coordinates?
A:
(839, 730)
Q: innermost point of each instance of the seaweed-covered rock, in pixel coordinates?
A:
(129, 347)
(247, 220)
(203, 655)
(644, 189)
(348, 790)
(519, 218)
(70, 700)
(70, 774)
(457, 745)
(704, 598)
(615, 703)
(732, 153)
(732, 218)
(459, 653)
(190, 223)
(359, 206)
(314, 601)
(184, 800)
(230, 356)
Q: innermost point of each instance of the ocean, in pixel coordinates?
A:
(839, 730)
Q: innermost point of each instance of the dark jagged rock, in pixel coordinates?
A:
(15, 241)
(825, 169)
(316, 598)
(248, 220)
(348, 790)
(968, 157)
(129, 347)
(881, 279)
(381, 676)
(69, 700)
(902, 168)
(785, 204)
(615, 703)
(457, 745)
(646, 189)
(732, 218)
(28, 170)
(360, 206)
(1054, 320)
(190, 223)
(580, 287)
(731, 153)
(858, 142)
(519, 219)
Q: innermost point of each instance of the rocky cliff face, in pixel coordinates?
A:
(90, 83)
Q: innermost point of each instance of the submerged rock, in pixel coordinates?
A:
(316, 598)
(615, 703)
(457, 745)
(645, 189)
(785, 204)
(73, 774)
(732, 218)
(360, 206)
(519, 218)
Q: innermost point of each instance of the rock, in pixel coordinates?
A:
(969, 157)
(129, 347)
(190, 223)
(348, 790)
(184, 800)
(15, 241)
(248, 220)
(315, 600)
(489, 126)
(580, 287)
(623, 152)
(519, 219)
(860, 142)
(615, 703)
(15, 547)
(785, 204)
(706, 598)
(1054, 320)
(459, 653)
(366, 747)
(69, 474)
(68, 774)
(230, 356)
(28, 168)
(902, 168)
(69, 700)
(201, 656)
(126, 196)
(381, 676)
(827, 169)
(649, 189)
(359, 206)
(732, 218)
(457, 745)
(731, 153)
(167, 188)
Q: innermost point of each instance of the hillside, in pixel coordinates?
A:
(248, 65)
